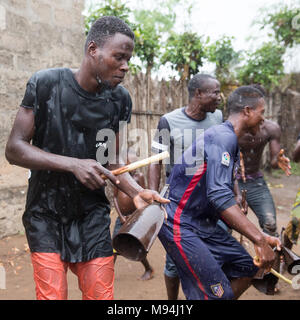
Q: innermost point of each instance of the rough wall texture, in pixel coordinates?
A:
(35, 34)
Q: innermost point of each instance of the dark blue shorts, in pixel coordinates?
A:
(170, 267)
(206, 265)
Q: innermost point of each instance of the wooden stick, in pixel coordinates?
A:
(280, 276)
(138, 164)
(276, 274)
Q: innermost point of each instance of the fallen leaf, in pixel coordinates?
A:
(278, 185)
(15, 250)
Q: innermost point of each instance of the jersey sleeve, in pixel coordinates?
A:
(219, 177)
(161, 140)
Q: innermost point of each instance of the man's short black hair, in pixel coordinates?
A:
(106, 27)
(199, 81)
(243, 96)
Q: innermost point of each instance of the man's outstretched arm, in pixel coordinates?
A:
(278, 159)
(19, 151)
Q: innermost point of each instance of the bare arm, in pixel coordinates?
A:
(239, 222)
(116, 204)
(141, 180)
(20, 152)
(154, 175)
(278, 159)
(237, 192)
(160, 143)
(274, 143)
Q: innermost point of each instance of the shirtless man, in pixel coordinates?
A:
(259, 197)
(124, 207)
(292, 231)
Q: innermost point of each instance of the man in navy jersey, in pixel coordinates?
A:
(211, 264)
(176, 131)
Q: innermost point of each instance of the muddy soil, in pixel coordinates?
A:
(15, 256)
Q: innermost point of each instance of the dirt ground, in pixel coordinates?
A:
(15, 256)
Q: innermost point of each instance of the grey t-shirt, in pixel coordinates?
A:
(176, 131)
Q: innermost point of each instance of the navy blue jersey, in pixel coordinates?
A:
(202, 186)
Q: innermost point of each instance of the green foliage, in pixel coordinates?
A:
(264, 66)
(224, 56)
(107, 8)
(148, 26)
(163, 18)
(295, 168)
(185, 52)
(147, 44)
(285, 23)
(148, 32)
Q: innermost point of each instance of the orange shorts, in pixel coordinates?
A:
(95, 277)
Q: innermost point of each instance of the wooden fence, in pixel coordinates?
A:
(151, 99)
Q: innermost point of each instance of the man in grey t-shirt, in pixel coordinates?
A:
(175, 132)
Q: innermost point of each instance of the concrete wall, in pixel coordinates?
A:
(35, 34)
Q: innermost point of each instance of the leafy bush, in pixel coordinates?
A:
(264, 66)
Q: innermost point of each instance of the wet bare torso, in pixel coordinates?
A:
(252, 147)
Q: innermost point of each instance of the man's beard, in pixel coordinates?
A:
(104, 85)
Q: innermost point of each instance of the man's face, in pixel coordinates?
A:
(256, 117)
(210, 97)
(111, 60)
